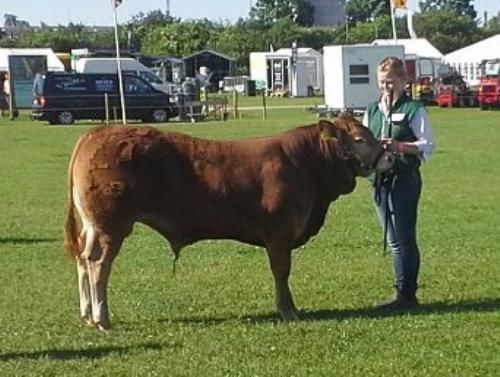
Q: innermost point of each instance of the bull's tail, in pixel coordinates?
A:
(71, 239)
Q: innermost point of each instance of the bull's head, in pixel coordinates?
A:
(356, 143)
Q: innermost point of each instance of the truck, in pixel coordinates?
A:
(453, 91)
(489, 84)
(351, 75)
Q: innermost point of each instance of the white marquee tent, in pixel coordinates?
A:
(467, 60)
(420, 47)
(420, 54)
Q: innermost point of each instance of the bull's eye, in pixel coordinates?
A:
(358, 139)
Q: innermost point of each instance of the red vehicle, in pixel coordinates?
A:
(489, 85)
(453, 91)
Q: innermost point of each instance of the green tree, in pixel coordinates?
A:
(138, 26)
(365, 10)
(181, 39)
(460, 7)
(269, 11)
(446, 30)
(379, 28)
(493, 25)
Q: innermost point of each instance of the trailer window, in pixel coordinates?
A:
(358, 69)
(359, 74)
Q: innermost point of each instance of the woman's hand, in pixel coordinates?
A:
(393, 145)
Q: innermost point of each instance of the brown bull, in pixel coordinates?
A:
(272, 192)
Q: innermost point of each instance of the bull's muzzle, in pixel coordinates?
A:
(385, 162)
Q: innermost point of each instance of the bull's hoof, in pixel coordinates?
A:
(87, 319)
(103, 325)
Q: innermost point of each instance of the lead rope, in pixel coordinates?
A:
(388, 180)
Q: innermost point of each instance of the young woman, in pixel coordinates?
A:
(402, 125)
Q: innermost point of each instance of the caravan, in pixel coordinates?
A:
(351, 75)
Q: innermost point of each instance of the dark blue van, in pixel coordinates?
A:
(61, 98)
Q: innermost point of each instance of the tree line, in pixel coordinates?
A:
(447, 24)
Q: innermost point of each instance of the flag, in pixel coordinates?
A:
(397, 4)
(116, 3)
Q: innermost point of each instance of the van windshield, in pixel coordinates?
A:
(150, 77)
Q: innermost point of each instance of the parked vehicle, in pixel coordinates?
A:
(422, 78)
(453, 91)
(61, 98)
(127, 65)
(489, 84)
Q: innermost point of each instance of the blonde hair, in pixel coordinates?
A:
(394, 66)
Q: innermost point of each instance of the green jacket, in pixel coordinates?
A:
(402, 114)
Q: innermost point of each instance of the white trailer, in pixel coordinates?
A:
(274, 71)
(23, 64)
(351, 75)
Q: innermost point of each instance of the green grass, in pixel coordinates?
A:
(216, 315)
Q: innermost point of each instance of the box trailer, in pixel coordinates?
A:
(23, 64)
(299, 72)
(351, 75)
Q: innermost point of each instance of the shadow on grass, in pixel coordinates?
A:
(486, 305)
(25, 241)
(90, 353)
(444, 307)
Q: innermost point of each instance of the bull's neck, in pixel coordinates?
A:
(333, 175)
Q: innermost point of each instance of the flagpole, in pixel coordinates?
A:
(393, 20)
(118, 63)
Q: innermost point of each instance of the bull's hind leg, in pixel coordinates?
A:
(87, 238)
(84, 290)
(86, 244)
(99, 265)
(280, 262)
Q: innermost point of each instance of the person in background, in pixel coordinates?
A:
(403, 127)
(4, 91)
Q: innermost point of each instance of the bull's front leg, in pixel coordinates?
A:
(280, 262)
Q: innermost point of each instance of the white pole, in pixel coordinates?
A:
(118, 62)
(409, 22)
(106, 107)
(393, 20)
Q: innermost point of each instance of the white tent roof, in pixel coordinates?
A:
(53, 62)
(300, 51)
(486, 49)
(420, 47)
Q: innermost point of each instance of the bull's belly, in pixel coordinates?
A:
(189, 227)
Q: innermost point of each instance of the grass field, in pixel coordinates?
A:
(216, 315)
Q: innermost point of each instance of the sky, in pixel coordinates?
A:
(99, 12)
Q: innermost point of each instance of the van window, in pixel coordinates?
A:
(135, 85)
(150, 77)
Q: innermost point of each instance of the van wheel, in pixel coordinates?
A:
(159, 116)
(65, 117)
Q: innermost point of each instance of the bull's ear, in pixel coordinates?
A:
(328, 130)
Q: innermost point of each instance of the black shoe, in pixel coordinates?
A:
(398, 302)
